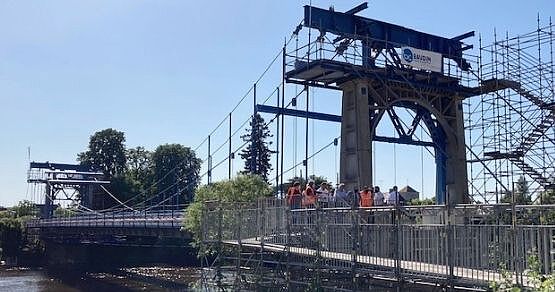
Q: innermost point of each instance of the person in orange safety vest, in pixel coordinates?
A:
(294, 196)
(309, 195)
(366, 198)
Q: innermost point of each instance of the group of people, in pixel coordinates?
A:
(324, 196)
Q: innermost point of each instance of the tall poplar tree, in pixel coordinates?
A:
(257, 154)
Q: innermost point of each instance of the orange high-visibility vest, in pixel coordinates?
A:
(292, 193)
(366, 199)
(309, 197)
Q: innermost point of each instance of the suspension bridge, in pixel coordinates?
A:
(485, 116)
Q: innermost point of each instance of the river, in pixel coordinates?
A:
(151, 278)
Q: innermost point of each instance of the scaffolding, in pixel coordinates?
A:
(509, 126)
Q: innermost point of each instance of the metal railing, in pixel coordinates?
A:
(130, 219)
(470, 245)
(324, 48)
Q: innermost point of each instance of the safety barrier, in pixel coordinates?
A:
(131, 219)
(470, 245)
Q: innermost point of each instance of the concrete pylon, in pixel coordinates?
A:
(358, 131)
(456, 177)
(356, 147)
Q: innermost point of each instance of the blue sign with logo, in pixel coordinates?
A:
(407, 55)
(421, 59)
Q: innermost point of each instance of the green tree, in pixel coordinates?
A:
(318, 180)
(548, 195)
(25, 208)
(548, 198)
(257, 154)
(521, 192)
(138, 176)
(177, 168)
(11, 238)
(241, 189)
(124, 186)
(139, 164)
(106, 152)
(7, 213)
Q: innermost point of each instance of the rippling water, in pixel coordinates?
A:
(154, 278)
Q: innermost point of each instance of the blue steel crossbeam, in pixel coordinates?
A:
(379, 35)
(406, 139)
(297, 113)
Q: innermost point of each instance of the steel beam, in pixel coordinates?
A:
(297, 113)
(59, 166)
(381, 33)
(77, 182)
(403, 141)
(335, 118)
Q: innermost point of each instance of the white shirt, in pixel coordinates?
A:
(393, 198)
(323, 194)
(378, 199)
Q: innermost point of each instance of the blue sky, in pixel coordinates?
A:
(169, 71)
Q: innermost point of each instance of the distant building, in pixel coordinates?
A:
(409, 193)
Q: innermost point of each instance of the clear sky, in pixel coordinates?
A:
(170, 71)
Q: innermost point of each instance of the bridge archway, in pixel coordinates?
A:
(366, 100)
(406, 126)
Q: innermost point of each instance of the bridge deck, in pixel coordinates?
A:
(461, 275)
(158, 223)
(124, 219)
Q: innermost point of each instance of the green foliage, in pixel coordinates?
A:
(139, 164)
(506, 283)
(25, 208)
(11, 237)
(548, 197)
(521, 192)
(177, 168)
(125, 186)
(7, 214)
(64, 212)
(132, 172)
(427, 201)
(318, 180)
(538, 281)
(137, 177)
(12, 224)
(106, 152)
(241, 189)
(541, 283)
(257, 154)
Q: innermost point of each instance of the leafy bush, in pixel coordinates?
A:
(538, 281)
(420, 202)
(64, 212)
(25, 208)
(11, 237)
(241, 189)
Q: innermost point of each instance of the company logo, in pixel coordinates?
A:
(407, 55)
(421, 59)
